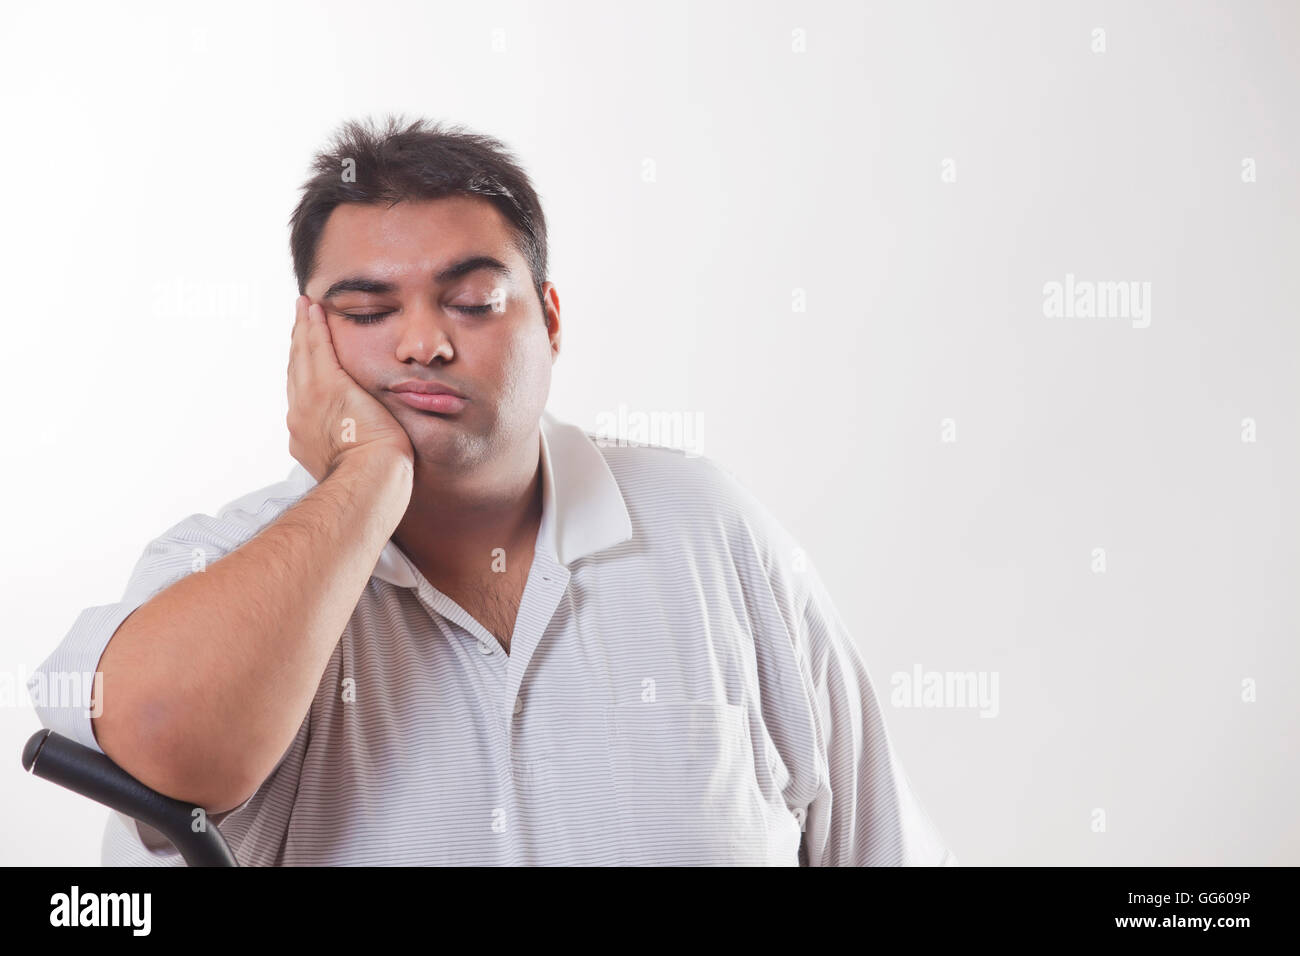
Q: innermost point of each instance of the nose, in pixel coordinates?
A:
(422, 336)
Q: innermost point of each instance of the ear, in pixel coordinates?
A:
(551, 298)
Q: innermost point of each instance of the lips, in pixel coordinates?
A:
(432, 402)
(430, 397)
(426, 388)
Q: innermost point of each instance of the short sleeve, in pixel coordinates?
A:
(62, 687)
(865, 812)
(65, 686)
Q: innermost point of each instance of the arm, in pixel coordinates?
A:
(207, 683)
(864, 812)
(840, 777)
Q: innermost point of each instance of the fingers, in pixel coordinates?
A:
(321, 342)
(313, 332)
(299, 353)
(312, 358)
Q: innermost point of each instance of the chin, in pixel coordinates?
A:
(446, 439)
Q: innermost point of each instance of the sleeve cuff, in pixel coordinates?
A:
(63, 687)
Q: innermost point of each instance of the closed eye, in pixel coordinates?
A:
(365, 318)
(369, 318)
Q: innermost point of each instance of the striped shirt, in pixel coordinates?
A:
(679, 690)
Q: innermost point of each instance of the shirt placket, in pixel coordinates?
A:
(503, 678)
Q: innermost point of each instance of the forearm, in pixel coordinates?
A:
(206, 684)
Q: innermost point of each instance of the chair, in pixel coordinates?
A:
(92, 774)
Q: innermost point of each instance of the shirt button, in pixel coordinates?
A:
(519, 704)
(484, 647)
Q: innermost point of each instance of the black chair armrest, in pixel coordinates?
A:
(92, 774)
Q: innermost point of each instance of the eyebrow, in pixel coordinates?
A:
(453, 272)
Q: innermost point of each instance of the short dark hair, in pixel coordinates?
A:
(416, 161)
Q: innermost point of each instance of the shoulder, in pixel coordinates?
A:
(240, 518)
(268, 501)
(696, 493)
(670, 480)
(672, 472)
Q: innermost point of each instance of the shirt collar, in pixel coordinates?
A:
(582, 508)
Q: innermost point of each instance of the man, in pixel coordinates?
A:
(461, 631)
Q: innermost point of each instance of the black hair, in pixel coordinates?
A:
(415, 161)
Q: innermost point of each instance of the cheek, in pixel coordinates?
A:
(356, 353)
(526, 363)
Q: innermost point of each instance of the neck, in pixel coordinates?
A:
(454, 522)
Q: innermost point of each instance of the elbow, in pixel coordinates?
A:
(162, 753)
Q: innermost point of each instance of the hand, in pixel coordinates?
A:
(330, 416)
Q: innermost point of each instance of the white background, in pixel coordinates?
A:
(149, 150)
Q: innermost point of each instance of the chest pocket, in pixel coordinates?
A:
(683, 774)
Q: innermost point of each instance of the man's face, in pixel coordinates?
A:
(402, 261)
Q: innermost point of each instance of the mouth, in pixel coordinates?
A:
(429, 396)
(441, 402)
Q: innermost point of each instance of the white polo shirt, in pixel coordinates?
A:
(679, 690)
